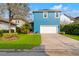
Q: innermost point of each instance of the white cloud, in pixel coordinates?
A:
(57, 7)
(75, 11)
(67, 10)
(61, 7)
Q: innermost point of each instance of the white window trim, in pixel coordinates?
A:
(58, 14)
(46, 15)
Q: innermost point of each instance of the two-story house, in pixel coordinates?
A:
(46, 21)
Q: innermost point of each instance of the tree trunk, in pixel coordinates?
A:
(10, 18)
(9, 26)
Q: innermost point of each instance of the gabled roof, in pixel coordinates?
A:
(20, 19)
(69, 16)
(6, 22)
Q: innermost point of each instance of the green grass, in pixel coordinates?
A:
(23, 42)
(76, 37)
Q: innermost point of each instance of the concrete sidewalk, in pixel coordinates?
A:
(56, 44)
(36, 51)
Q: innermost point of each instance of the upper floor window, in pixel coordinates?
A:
(17, 21)
(57, 14)
(45, 14)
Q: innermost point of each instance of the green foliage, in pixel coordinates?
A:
(25, 28)
(1, 33)
(62, 28)
(18, 29)
(71, 29)
(32, 26)
(6, 31)
(61, 32)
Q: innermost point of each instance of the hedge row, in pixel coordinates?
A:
(71, 29)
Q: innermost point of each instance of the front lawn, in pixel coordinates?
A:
(25, 41)
(76, 37)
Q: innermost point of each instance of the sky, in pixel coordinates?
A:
(71, 9)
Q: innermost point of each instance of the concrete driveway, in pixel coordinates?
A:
(56, 44)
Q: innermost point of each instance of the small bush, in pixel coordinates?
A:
(10, 36)
(62, 28)
(1, 33)
(61, 32)
(18, 29)
(7, 31)
(71, 29)
(25, 28)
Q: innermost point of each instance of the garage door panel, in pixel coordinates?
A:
(48, 29)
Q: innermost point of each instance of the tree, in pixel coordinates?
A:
(15, 10)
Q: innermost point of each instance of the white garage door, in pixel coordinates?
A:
(48, 29)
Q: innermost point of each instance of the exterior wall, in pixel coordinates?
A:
(5, 26)
(39, 20)
(19, 24)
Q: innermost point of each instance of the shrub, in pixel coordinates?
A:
(32, 26)
(25, 28)
(71, 29)
(1, 33)
(7, 31)
(10, 36)
(18, 29)
(62, 28)
(61, 32)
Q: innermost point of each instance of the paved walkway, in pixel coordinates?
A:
(56, 44)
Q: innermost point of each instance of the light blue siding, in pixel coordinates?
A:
(39, 20)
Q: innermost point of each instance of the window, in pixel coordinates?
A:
(45, 14)
(17, 21)
(57, 14)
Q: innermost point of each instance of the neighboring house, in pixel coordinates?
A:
(4, 25)
(76, 20)
(46, 21)
(65, 19)
(19, 22)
